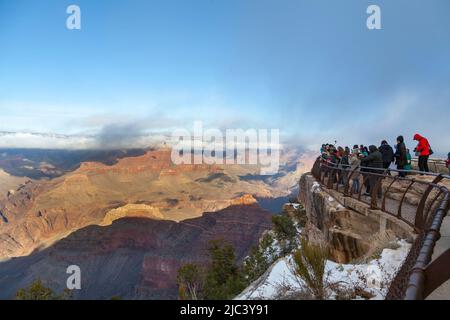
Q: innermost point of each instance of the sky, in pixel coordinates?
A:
(310, 68)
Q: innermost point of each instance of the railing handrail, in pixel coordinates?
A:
(348, 168)
(432, 174)
(430, 159)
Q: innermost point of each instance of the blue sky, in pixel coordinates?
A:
(310, 68)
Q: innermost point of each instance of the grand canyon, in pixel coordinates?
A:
(129, 219)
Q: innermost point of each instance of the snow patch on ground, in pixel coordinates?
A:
(315, 187)
(374, 277)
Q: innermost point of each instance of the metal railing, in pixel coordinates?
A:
(435, 165)
(419, 203)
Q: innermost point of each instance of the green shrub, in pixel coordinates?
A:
(224, 280)
(300, 216)
(221, 280)
(283, 227)
(266, 241)
(190, 282)
(37, 291)
(285, 233)
(255, 264)
(260, 258)
(310, 261)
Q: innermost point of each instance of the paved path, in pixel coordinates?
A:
(392, 205)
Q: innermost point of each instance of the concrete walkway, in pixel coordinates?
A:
(443, 292)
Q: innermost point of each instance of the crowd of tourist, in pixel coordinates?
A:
(361, 159)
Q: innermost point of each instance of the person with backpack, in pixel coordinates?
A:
(355, 162)
(388, 154)
(373, 160)
(400, 155)
(423, 151)
(344, 165)
(408, 165)
(364, 151)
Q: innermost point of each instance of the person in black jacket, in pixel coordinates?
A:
(401, 155)
(388, 154)
(373, 160)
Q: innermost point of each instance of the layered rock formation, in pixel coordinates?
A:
(131, 225)
(132, 211)
(135, 258)
(9, 184)
(38, 213)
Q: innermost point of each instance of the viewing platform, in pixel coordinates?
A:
(418, 202)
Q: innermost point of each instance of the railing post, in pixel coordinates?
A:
(338, 177)
(430, 207)
(399, 213)
(331, 176)
(347, 185)
(383, 205)
(419, 220)
(365, 177)
(374, 192)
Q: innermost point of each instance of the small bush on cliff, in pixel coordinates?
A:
(300, 215)
(255, 264)
(266, 245)
(283, 227)
(310, 261)
(37, 291)
(190, 282)
(285, 232)
(260, 258)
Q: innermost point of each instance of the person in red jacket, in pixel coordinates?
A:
(423, 151)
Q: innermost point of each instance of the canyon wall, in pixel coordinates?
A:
(348, 227)
(135, 258)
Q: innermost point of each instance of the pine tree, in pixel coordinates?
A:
(224, 279)
(37, 291)
(190, 282)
